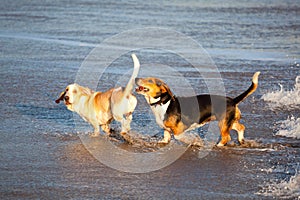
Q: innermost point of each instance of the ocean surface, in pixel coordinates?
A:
(45, 45)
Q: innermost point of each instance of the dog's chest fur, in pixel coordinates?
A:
(159, 112)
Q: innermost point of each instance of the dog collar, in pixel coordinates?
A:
(164, 98)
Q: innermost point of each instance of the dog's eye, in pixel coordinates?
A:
(74, 91)
(67, 89)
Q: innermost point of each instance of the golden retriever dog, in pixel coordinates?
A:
(179, 114)
(100, 108)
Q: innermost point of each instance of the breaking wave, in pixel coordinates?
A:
(289, 127)
(285, 189)
(284, 98)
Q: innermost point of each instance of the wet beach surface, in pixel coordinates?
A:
(43, 45)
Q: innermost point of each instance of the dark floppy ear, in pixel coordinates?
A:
(165, 88)
(158, 83)
(61, 97)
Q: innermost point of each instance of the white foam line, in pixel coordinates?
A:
(287, 189)
(248, 54)
(284, 98)
(290, 128)
(45, 39)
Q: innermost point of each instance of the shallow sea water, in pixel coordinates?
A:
(43, 45)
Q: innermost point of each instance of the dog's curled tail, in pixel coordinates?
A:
(250, 90)
(136, 67)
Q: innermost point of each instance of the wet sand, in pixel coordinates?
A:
(43, 46)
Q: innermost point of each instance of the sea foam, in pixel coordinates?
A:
(289, 99)
(285, 189)
(289, 127)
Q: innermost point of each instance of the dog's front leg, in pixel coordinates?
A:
(167, 137)
(96, 132)
(125, 123)
(106, 128)
(95, 124)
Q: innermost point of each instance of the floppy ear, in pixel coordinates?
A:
(61, 97)
(164, 88)
(84, 90)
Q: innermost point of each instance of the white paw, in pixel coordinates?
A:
(163, 141)
(220, 144)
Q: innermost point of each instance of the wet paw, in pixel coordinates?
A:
(242, 141)
(220, 144)
(163, 141)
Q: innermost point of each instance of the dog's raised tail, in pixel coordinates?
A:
(249, 91)
(136, 67)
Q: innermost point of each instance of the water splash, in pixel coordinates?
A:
(285, 189)
(282, 98)
(289, 128)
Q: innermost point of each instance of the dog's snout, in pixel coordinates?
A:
(67, 98)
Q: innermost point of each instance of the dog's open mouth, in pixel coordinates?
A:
(67, 103)
(141, 89)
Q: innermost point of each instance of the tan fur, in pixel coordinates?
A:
(153, 88)
(102, 101)
(176, 127)
(100, 108)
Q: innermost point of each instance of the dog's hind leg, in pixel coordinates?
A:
(240, 128)
(167, 137)
(225, 135)
(96, 129)
(106, 128)
(125, 123)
